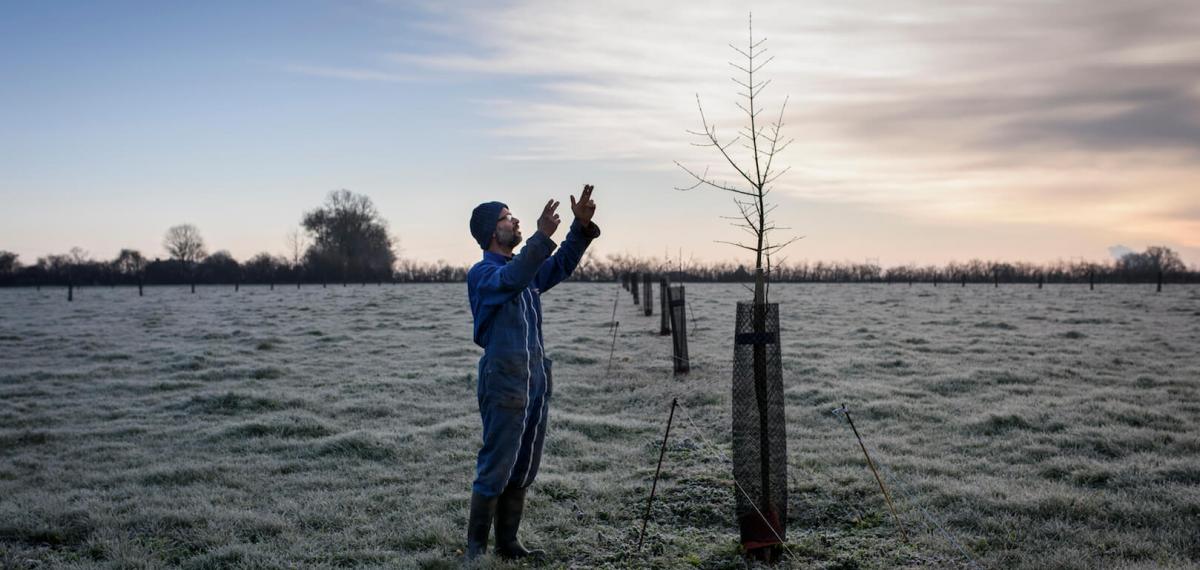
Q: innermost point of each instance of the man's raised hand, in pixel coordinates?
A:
(585, 208)
(548, 222)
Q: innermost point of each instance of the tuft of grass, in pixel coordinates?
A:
(1086, 321)
(428, 537)
(182, 476)
(559, 490)
(363, 557)
(12, 440)
(953, 386)
(286, 426)
(112, 357)
(172, 386)
(1001, 424)
(573, 358)
(700, 501)
(370, 411)
(233, 403)
(1180, 474)
(998, 325)
(1094, 478)
(232, 556)
(599, 428)
(1147, 418)
(354, 445)
(189, 364)
(268, 344)
(1005, 377)
(266, 373)
(53, 525)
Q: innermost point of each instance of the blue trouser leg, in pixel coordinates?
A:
(502, 434)
(531, 444)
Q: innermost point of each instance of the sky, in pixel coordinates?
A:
(924, 132)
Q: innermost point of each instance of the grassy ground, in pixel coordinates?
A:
(338, 427)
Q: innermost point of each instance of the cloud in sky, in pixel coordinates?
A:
(1073, 113)
(348, 73)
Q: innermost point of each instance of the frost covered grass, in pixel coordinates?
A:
(337, 427)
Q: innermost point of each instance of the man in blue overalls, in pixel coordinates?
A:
(515, 383)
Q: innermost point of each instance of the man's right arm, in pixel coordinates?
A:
(496, 284)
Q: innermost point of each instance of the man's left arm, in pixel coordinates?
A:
(570, 251)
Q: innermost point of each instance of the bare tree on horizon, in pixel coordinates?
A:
(9, 262)
(183, 242)
(129, 262)
(297, 243)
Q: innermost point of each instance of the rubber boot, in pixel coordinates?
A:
(508, 521)
(483, 509)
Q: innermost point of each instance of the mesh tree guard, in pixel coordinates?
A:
(664, 307)
(633, 288)
(679, 345)
(647, 295)
(759, 428)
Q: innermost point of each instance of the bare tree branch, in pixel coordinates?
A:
(701, 180)
(743, 246)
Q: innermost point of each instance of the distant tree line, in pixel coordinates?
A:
(346, 240)
(1133, 267)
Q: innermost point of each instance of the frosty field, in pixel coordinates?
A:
(1054, 428)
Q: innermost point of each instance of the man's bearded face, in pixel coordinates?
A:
(507, 236)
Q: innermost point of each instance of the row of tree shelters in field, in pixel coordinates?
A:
(672, 309)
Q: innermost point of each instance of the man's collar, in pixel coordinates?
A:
(496, 257)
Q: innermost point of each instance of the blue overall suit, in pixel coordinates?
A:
(515, 386)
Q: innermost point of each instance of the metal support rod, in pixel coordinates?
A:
(616, 325)
(616, 299)
(662, 451)
(871, 464)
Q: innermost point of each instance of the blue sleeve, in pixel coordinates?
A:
(564, 261)
(495, 284)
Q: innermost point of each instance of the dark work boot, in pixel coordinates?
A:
(508, 520)
(483, 509)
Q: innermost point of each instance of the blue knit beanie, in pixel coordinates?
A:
(483, 222)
